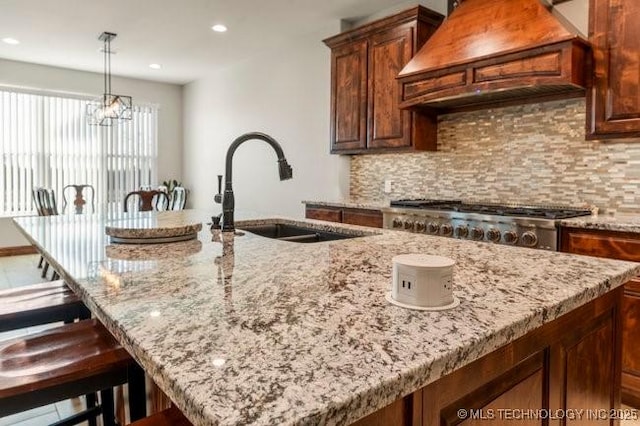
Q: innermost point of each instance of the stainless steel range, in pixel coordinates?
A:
(526, 226)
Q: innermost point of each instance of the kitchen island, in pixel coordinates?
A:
(257, 331)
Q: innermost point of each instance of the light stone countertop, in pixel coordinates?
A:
(350, 204)
(255, 331)
(621, 222)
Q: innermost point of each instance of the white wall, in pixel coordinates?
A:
(284, 93)
(439, 6)
(167, 96)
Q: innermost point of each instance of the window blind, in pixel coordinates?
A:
(45, 141)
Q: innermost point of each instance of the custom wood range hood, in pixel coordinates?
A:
(496, 52)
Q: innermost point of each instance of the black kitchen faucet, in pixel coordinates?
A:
(227, 199)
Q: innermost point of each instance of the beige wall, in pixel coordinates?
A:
(285, 93)
(167, 96)
(577, 13)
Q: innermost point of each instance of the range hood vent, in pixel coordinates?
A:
(496, 52)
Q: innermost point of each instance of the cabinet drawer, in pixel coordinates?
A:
(372, 218)
(615, 245)
(632, 288)
(328, 214)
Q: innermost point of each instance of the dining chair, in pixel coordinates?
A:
(79, 200)
(178, 198)
(45, 201)
(148, 200)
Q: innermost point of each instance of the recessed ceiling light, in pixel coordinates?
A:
(10, 40)
(219, 28)
(155, 66)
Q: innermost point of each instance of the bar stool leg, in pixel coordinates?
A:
(84, 314)
(108, 414)
(45, 270)
(91, 402)
(137, 393)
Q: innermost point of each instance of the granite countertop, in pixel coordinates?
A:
(350, 204)
(256, 331)
(622, 222)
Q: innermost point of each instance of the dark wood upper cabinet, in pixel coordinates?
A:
(349, 96)
(613, 103)
(365, 116)
(390, 50)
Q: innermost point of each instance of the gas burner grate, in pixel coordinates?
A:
(425, 203)
(493, 209)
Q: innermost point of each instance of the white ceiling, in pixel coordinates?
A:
(176, 34)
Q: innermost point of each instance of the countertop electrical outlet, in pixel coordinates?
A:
(387, 186)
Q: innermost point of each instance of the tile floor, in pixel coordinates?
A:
(21, 270)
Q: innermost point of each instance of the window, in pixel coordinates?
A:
(45, 141)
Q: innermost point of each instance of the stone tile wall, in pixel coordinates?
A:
(530, 154)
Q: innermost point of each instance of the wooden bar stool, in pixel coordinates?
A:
(65, 362)
(39, 304)
(169, 417)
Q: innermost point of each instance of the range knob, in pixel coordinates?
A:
(408, 225)
(462, 231)
(510, 237)
(493, 235)
(397, 223)
(446, 230)
(421, 226)
(477, 233)
(433, 228)
(529, 239)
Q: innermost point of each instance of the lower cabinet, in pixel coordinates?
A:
(631, 344)
(623, 246)
(568, 365)
(362, 217)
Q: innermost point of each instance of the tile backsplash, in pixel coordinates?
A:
(529, 154)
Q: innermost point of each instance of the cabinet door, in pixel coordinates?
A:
(349, 97)
(624, 246)
(362, 217)
(631, 343)
(324, 213)
(613, 104)
(389, 52)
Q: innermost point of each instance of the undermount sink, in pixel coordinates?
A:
(298, 234)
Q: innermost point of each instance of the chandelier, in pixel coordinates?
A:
(109, 107)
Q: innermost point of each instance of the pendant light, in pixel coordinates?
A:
(109, 107)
